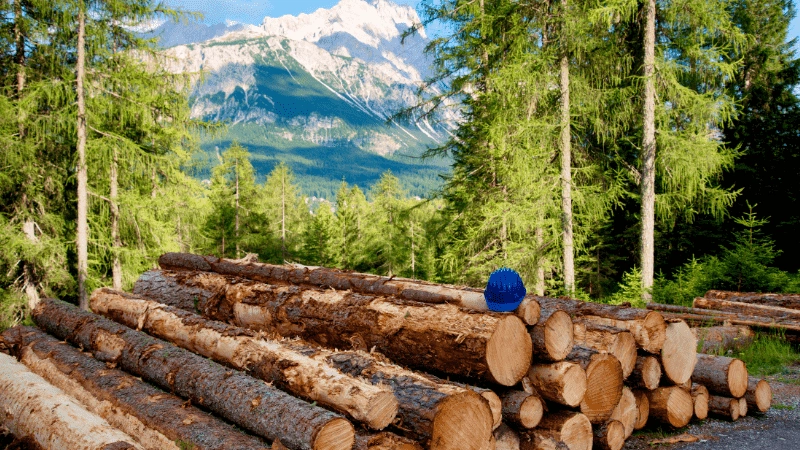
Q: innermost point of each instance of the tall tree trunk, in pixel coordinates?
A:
(539, 287)
(29, 228)
(236, 170)
(566, 164)
(19, 58)
(283, 216)
(116, 267)
(649, 154)
(83, 225)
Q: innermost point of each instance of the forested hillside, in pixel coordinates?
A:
(618, 151)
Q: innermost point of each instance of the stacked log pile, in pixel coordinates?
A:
(314, 358)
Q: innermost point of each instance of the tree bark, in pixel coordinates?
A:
(552, 336)
(646, 373)
(643, 407)
(116, 242)
(29, 283)
(721, 375)
(679, 354)
(572, 428)
(670, 406)
(789, 301)
(562, 382)
(523, 409)
(566, 164)
(758, 395)
(541, 440)
(603, 383)
(83, 224)
(33, 408)
(700, 400)
(706, 317)
(749, 309)
(506, 439)
(609, 435)
(616, 341)
(648, 173)
(383, 440)
(721, 339)
(724, 407)
(237, 397)
(157, 419)
(236, 196)
(626, 411)
(441, 337)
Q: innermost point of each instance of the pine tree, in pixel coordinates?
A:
(286, 212)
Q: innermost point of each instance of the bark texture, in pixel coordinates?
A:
(758, 395)
(646, 373)
(648, 170)
(670, 406)
(750, 309)
(725, 407)
(616, 341)
(541, 440)
(383, 440)
(603, 382)
(506, 439)
(563, 382)
(523, 409)
(721, 339)
(609, 435)
(552, 336)
(721, 375)
(790, 301)
(82, 232)
(706, 317)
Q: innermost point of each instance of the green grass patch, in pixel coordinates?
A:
(769, 354)
(782, 406)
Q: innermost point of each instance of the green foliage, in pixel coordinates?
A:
(13, 309)
(629, 290)
(769, 354)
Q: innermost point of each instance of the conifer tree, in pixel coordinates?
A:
(286, 212)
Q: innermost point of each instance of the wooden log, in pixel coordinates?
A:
(493, 347)
(609, 435)
(561, 382)
(742, 407)
(603, 382)
(646, 373)
(749, 309)
(383, 440)
(626, 411)
(506, 439)
(540, 440)
(552, 336)
(790, 301)
(241, 399)
(616, 341)
(725, 407)
(414, 290)
(495, 404)
(700, 397)
(289, 365)
(679, 354)
(721, 339)
(707, 317)
(156, 419)
(670, 406)
(522, 409)
(572, 428)
(643, 407)
(758, 395)
(647, 327)
(721, 375)
(34, 409)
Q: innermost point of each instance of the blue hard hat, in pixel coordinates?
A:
(505, 290)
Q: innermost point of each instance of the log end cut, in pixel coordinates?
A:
(671, 406)
(463, 422)
(655, 328)
(509, 351)
(759, 395)
(610, 435)
(577, 433)
(337, 434)
(737, 378)
(679, 353)
(382, 411)
(603, 387)
(529, 311)
(643, 407)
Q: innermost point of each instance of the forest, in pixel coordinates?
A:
(614, 151)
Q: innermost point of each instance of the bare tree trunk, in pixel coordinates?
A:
(283, 216)
(29, 228)
(649, 154)
(154, 183)
(539, 287)
(83, 225)
(19, 59)
(116, 267)
(236, 170)
(566, 167)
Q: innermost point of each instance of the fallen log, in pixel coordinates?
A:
(790, 301)
(603, 382)
(286, 364)
(561, 382)
(700, 397)
(616, 341)
(758, 395)
(647, 327)
(646, 373)
(721, 375)
(721, 339)
(708, 317)
(748, 309)
(572, 428)
(725, 407)
(552, 336)
(243, 400)
(506, 439)
(522, 409)
(670, 406)
(34, 409)
(626, 411)
(414, 290)
(155, 418)
(383, 440)
(643, 407)
(494, 347)
(679, 354)
(609, 435)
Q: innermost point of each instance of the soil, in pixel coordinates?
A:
(778, 429)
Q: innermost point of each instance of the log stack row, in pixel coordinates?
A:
(314, 358)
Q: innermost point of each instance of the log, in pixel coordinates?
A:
(670, 406)
(562, 382)
(414, 290)
(758, 395)
(609, 435)
(383, 440)
(626, 411)
(552, 336)
(155, 418)
(721, 339)
(495, 404)
(616, 341)
(33, 409)
(646, 373)
(572, 428)
(790, 301)
(700, 397)
(721, 375)
(707, 317)
(725, 407)
(742, 407)
(643, 407)
(239, 398)
(506, 439)
(493, 347)
(540, 440)
(647, 327)
(522, 409)
(679, 354)
(603, 382)
(286, 364)
(749, 309)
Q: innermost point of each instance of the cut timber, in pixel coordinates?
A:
(572, 428)
(616, 341)
(700, 398)
(540, 440)
(553, 336)
(790, 301)
(383, 440)
(679, 354)
(742, 407)
(603, 382)
(495, 404)
(156, 419)
(414, 290)
(647, 327)
(241, 399)
(724, 407)
(609, 436)
(562, 382)
(671, 406)
(758, 395)
(643, 406)
(506, 439)
(626, 411)
(32, 408)
(749, 309)
(707, 317)
(646, 373)
(721, 375)
(522, 409)
(494, 347)
(285, 364)
(721, 339)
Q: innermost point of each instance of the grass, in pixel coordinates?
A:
(782, 406)
(769, 354)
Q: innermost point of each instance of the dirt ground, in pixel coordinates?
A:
(778, 429)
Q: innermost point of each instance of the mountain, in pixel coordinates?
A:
(317, 90)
